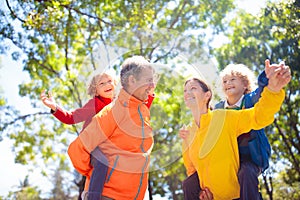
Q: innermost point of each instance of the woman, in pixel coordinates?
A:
(212, 149)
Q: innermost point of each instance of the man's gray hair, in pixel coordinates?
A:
(133, 66)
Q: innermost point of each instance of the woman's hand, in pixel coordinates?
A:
(183, 132)
(206, 194)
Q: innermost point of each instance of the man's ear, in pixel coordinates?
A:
(131, 80)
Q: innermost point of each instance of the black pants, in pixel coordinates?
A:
(191, 187)
(100, 164)
(248, 180)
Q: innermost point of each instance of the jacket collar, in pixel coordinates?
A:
(125, 98)
(238, 104)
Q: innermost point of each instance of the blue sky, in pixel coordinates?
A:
(11, 75)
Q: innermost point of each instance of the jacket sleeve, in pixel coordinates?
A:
(99, 130)
(93, 135)
(256, 94)
(189, 166)
(262, 114)
(262, 80)
(190, 169)
(80, 157)
(78, 115)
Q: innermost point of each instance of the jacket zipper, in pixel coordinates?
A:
(143, 150)
(112, 169)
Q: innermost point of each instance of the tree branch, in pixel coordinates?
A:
(23, 117)
(294, 120)
(13, 13)
(268, 188)
(86, 14)
(50, 69)
(178, 15)
(285, 140)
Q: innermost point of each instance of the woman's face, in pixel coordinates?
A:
(194, 94)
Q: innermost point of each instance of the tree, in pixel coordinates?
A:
(62, 187)
(168, 114)
(25, 191)
(274, 34)
(56, 40)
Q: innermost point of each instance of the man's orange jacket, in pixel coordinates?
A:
(123, 133)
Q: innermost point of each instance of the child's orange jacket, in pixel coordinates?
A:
(124, 135)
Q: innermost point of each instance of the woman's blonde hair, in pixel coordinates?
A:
(241, 71)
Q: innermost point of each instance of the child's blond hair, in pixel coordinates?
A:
(241, 71)
(92, 87)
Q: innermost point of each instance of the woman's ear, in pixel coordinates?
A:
(208, 96)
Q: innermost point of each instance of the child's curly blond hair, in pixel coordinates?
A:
(92, 87)
(243, 72)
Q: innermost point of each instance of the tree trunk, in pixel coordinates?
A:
(268, 186)
(80, 185)
(150, 189)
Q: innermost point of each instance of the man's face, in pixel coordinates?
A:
(144, 84)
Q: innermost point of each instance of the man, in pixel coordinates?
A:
(122, 132)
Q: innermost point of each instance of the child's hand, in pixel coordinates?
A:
(183, 132)
(270, 69)
(279, 78)
(206, 194)
(48, 100)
